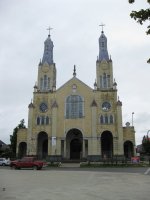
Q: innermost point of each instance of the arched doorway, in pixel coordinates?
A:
(74, 140)
(22, 149)
(75, 149)
(107, 144)
(128, 149)
(42, 145)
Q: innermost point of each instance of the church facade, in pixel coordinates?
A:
(76, 121)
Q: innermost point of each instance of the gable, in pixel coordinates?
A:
(74, 86)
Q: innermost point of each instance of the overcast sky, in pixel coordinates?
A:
(75, 34)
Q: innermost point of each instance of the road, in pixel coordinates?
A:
(75, 183)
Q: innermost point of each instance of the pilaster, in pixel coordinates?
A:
(30, 126)
(94, 141)
(119, 134)
(54, 129)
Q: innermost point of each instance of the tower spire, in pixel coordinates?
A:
(48, 50)
(103, 53)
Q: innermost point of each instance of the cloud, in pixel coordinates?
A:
(75, 35)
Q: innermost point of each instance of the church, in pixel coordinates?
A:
(75, 121)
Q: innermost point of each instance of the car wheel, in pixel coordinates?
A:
(13, 167)
(39, 168)
(3, 164)
(35, 168)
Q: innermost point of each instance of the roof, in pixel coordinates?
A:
(76, 79)
(103, 53)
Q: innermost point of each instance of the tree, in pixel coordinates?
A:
(13, 137)
(146, 144)
(6, 153)
(141, 16)
(21, 125)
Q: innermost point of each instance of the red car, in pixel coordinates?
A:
(28, 162)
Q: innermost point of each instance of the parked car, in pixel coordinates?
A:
(4, 161)
(28, 162)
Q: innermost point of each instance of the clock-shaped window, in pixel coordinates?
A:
(106, 106)
(43, 107)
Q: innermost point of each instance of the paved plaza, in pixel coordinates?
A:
(73, 184)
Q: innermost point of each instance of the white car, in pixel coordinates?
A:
(4, 161)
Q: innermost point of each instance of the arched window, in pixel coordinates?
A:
(47, 120)
(45, 82)
(105, 81)
(101, 81)
(106, 119)
(42, 120)
(111, 119)
(74, 107)
(41, 84)
(38, 120)
(108, 81)
(48, 83)
(101, 119)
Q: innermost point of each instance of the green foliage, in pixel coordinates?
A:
(21, 125)
(142, 16)
(13, 141)
(131, 1)
(13, 137)
(146, 145)
(7, 153)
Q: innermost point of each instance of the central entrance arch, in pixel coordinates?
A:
(75, 149)
(74, 142)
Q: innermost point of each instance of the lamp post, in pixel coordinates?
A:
(132, 118)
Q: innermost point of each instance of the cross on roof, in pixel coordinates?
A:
(102, 25)
(49, 29)
(74, 71)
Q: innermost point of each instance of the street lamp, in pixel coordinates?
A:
(132, 118)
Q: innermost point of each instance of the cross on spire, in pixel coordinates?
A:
(74, 71)
(102, 25)
(49, 29)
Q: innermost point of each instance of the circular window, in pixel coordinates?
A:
(106, 106)
(43, 107)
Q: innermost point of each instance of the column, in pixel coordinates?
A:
(83, 149)
(94, 134)
(65, 148)
(49, 145)
(54, 128)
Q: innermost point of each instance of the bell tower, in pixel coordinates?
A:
(104, 69)
(47, 71)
